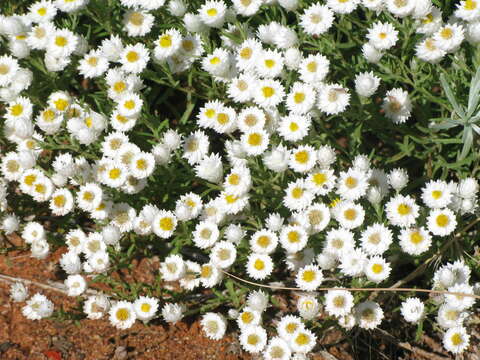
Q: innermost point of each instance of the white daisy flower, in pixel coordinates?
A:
(449, 37)
(164, 224)
(468, 10)
(145, 307)
(195, 147)
(338, 302)
(217, 63)
(122, 315)
(269, 64)
(427, 50)
(308, 306)
(303, 158)
(352, 184)
(456, 339)
(377, 269)
(449, 317)
(382, 36)
(210, 275)
(402, 8)
(314, 68)
(321, 181)
(259, 266)
(301, 98)
(352, 263)
(376, 239)
(214, 325)
(138, 23)
(240, 89)
(134, 58)
(412, 310)
(436, 194)
(460, 302)
(173, 312)
(430, 22)
(368, 314)
(75, 285)
(316, 19)
(348, 214)
(366, 83)
(304, 340)
(93, 64)
(61, 202)
(268, 93)
(441, 222)
(248, 317)
(397, 105)
(293, 238)
(277, 349)
(339, 242)
(415, 241)
(172, 268)
(167, 44)
(309, 278)
(342, 6)
(213, 13)
(371, 53)
(255, 142)
(18, 292)
(37, 307)
(253, 339)
(402, 211)
(62, 43)
(223, 254)
(263, 242)
(318, 217)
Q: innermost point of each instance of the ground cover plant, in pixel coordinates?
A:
(318, 154)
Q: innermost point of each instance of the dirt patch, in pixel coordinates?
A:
(70, 336)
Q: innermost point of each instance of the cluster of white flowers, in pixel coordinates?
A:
(327, 220)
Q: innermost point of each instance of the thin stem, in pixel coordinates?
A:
(438, 292)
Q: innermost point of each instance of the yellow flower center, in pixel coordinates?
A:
(114, 173)
(312, 66)
(145, 307)
(61, 41)
(319, 178)
(302, 157)
(212, 12)
(122, 314)
(470, 5)
(206, 271)
(132, 56)
(141, 164)
(446, 33)
(187, 45)
(234, 179)
(456, 339)
(269, 63)
(297, 193)
(291, 328)
(339, 301)
(350, 214)
(88, 196)
(30, 179)
(253, 339)
(129, 104)
(255, 139)
(136, 18)
(166, 224)
(42, 11)
(165, 41)
(302, 339)
(12, 166)
(263, 241)
(298, 97)
(308, 275)
(259, 265)
(404, 209)
(436, 194)
(377, 268)
(223, 118)
(351, 182)
(268, 91)
(246, 53)
(16, 110)
(442, 220)
(93, 61)
(247, 317)
(416, 237)
(215, 60)
(60, 104)
(293, 237)
(382, 35)
(4, 69)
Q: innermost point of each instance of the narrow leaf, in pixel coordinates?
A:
(467, 140)
(474, 94)
(451, 97)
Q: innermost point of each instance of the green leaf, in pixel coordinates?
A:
(448, 91)
(447, 124)
(474, 94)
(467, 140)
